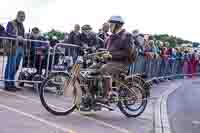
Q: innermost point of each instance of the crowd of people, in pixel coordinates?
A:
(178, 60)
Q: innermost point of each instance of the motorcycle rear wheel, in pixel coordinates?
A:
(139, 96)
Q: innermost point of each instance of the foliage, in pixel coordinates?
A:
(173, 41)
(60, 35)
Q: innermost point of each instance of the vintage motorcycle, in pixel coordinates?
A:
(62, 93)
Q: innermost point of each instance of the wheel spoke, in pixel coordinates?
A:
(52, 95)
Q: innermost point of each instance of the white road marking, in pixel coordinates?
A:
(122, 130)
(37, 119)
(196, 123)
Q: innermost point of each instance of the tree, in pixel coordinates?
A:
(173, 41)
(60, 35)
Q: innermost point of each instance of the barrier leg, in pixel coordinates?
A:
(165, 68)
(159, 68)
(150, 69)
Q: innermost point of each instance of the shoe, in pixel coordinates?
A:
(10, 89)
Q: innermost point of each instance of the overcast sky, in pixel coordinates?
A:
(176, 17)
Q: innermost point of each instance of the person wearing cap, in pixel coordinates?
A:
(121, 46)
(120, 43)
(14, 29)
(88, 38)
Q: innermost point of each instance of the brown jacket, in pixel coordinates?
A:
(121, 46)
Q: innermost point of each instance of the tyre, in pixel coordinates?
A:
(52, 95)
(137, 103)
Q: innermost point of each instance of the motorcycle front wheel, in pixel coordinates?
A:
(52, 95)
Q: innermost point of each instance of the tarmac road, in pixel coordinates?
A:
(22, 112)
(184, 108)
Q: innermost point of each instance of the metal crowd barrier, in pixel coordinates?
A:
(21, 60)
(30, 61)
(63, 56)
(160, 67)
(39, 58)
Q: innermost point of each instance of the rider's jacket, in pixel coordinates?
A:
(120, 45)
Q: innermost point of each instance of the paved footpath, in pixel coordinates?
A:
(22, 112)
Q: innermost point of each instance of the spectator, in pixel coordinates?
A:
(75, 36)
(53, 41)
(38, 49)
(164, 61)
(139, 41)
(46, 37)
(2, 30)
(89, 38)
(103, 34)
(2, 34)
(172, 61)
(194, 62)
(35, 34)
(186, 67)
(180, 62)
(15, 29)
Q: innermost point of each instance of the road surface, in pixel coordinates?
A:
(184, 108)
(22, 112)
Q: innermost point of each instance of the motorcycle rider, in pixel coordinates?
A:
(121, 46)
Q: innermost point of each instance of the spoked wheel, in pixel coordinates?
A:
(139, 80)
(52, 95)
(133, 100)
